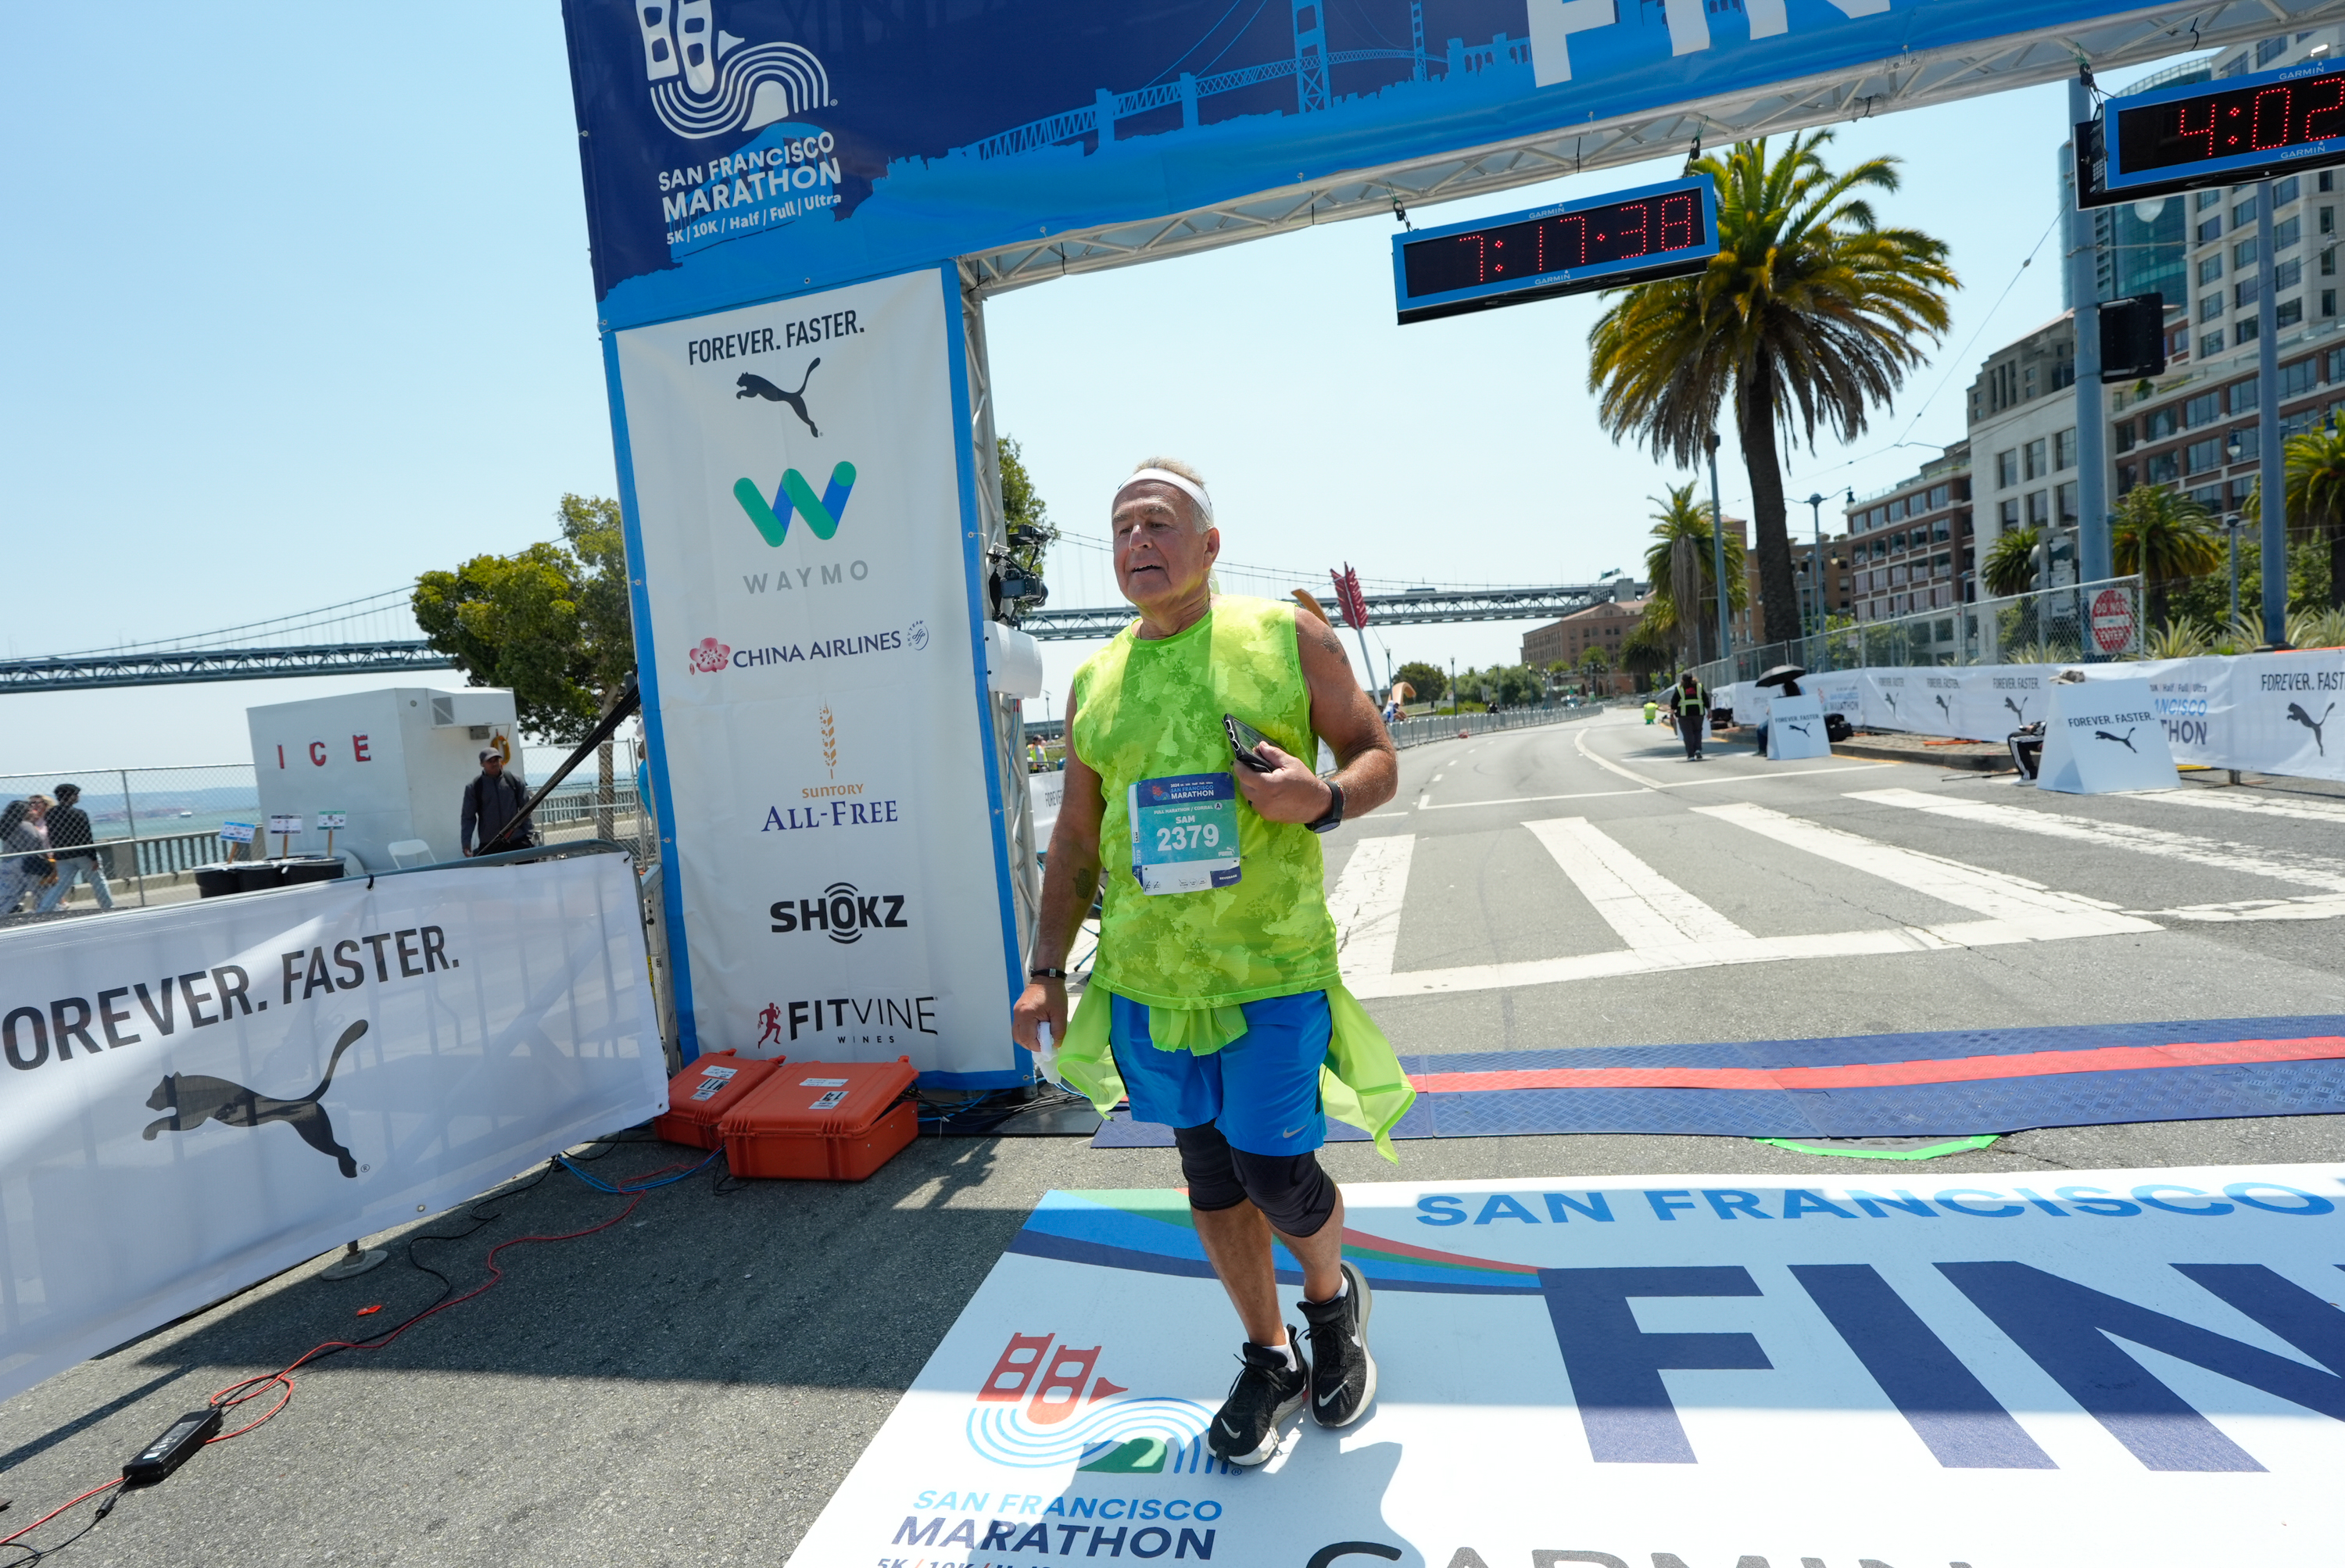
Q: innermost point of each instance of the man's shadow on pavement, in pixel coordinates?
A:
(1356, 1483)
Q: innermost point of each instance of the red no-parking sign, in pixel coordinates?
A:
(2113, 625)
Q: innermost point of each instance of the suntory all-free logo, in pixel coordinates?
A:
(710, 655)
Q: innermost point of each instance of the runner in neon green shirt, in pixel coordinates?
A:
(1216, 1001)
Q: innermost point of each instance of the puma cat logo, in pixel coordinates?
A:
(2018, 710)
(758, 386)
(2124, 741)
(192, 1099)
(2298, 715)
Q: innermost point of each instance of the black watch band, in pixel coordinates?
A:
(1046, 975)
(1333, 815)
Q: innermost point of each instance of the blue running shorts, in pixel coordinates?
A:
(1261, 1089)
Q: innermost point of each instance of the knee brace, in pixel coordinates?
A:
(1213, 1181)
(1291, 1189)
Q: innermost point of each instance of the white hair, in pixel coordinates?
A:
(1179, 477)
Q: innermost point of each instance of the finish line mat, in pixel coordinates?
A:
(1873, 1085)
(2095, 1367)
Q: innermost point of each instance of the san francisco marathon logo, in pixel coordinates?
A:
(705, 82)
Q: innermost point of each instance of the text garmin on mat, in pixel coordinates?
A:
(842, 913)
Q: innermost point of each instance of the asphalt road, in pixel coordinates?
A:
(688, 1385)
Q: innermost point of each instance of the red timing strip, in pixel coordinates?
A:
(1892, 1075)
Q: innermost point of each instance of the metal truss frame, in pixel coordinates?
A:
(1431, 608)
(1908, 81)
(81, 672)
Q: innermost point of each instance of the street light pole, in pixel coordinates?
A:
(1816, 560)
(2273, 481)
(1717, 551)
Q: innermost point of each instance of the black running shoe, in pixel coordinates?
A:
(1343, 1374)
(1266, 1392)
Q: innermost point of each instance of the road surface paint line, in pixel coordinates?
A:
(1579, 744)
(2308, 870)
(2253, 805)
(1528, 799)
(1892, 1075)
(1423, 798)
(1683, 955)
(2038, 912)
(1367, 902)
(1644, 906)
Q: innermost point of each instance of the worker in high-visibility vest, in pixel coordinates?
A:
(1691, 703)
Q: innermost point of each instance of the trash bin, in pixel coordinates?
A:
(212, 881)
(309, 869)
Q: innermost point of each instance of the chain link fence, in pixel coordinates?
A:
(2099, 620)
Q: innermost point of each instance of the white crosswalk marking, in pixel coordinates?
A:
(2303, 871)
(1644, 906)
(2206, 800)
(2016, 909)
(1367, 904)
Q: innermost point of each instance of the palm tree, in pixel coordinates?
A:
(1809, 313)
(1684, 576)
(2167, 537)
(2315, 495)
(2010, 565)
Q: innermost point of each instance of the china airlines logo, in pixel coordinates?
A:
(705, 82)
(710, 655)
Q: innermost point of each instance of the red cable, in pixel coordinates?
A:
(60, 1508)
(229, 1397)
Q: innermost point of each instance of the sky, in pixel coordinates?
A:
(309, 313)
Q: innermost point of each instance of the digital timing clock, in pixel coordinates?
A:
(1631, 236)
(2236, 133)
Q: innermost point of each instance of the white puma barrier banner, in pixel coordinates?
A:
(1917, 1370)
(2102, 735)
(1795, 728)
(2262, 713)
(198, 1096)
(801, 521)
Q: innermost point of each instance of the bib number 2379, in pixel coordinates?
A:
(1184, 833)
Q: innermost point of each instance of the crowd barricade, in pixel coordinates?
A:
(2261, 713)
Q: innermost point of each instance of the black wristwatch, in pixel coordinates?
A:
(1327, 820)
(1046, 975)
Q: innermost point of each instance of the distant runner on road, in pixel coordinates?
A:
(1691, 703)
(1214, 1001)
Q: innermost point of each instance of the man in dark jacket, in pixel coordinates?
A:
(77, 855)
(1691, 703)
(489, 803)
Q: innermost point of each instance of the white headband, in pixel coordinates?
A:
(1189, 487)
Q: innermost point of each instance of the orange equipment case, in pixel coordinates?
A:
(699, 1096)
(823, 1121)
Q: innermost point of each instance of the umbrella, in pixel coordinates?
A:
(1781, 674)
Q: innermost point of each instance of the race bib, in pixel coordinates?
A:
(1184, 833)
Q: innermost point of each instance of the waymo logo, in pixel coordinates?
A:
(796, 498)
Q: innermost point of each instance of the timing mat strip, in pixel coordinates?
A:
(1940, 1083)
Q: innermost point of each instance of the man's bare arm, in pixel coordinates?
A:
(1070, 880)
(1368, 770)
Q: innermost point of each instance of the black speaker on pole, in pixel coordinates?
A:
(2133, 338)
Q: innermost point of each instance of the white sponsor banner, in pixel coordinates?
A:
(199, 1096)
(2102, 735)
(2263, 713)
(1915, 1368)
(1795, 728)
(820, 715)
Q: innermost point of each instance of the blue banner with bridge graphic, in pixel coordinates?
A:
(745, 149)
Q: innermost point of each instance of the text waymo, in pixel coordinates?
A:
(2068, 1329)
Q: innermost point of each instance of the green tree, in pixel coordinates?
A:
(1022, 511)
(1810, 314)
(1679, 563)
(2314, 484)
(2208, 598)
(1647, 647)
(551, 621)
(2165, 536)
(2010, 564)
(1430, 682)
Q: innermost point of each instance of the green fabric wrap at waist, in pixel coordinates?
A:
(1361, 1083)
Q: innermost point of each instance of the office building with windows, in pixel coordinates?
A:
(1910, 546)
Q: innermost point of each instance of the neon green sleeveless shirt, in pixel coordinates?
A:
(1150, 709)
(1146, 709)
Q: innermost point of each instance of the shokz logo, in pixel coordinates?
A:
(710, 655)
(705, 82)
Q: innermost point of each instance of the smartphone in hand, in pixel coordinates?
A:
(1246, 741)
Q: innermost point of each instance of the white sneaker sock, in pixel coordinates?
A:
(1285, 1347)
(1343, 1288)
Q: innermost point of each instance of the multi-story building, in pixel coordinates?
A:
(1566, 641)
(1912, 547)
(2023, 434)
(1839, 578)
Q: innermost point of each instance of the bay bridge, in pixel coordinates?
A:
(378, 636)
